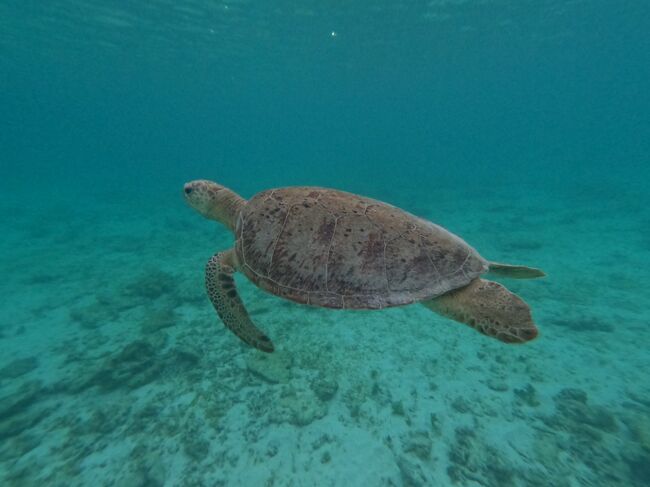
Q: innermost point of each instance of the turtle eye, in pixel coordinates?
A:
(188, 189)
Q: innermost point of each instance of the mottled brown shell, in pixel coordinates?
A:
(329, 248)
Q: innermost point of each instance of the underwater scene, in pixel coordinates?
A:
(325, 243)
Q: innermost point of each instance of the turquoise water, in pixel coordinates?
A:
(522, 126)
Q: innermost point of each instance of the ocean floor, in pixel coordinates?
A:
(115, 370)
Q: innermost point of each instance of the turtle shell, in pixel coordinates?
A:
(339, 250)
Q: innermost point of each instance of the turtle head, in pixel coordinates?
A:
(213, 201)
(202, 196)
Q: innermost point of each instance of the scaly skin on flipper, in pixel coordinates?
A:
(222, 291)
(490, 308)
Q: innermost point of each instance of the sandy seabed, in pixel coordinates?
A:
(115, 371)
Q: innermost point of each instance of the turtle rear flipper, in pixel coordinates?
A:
(226, 301)
(515, 271)
(489, 308)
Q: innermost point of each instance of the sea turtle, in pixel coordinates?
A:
(329, 248)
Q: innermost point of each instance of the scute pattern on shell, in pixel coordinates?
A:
(330, 248)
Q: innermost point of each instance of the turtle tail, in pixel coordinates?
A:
(515, 271)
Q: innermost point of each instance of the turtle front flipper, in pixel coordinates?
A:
(225, 298)
(490, 308)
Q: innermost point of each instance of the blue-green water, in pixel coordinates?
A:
(522, 126)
